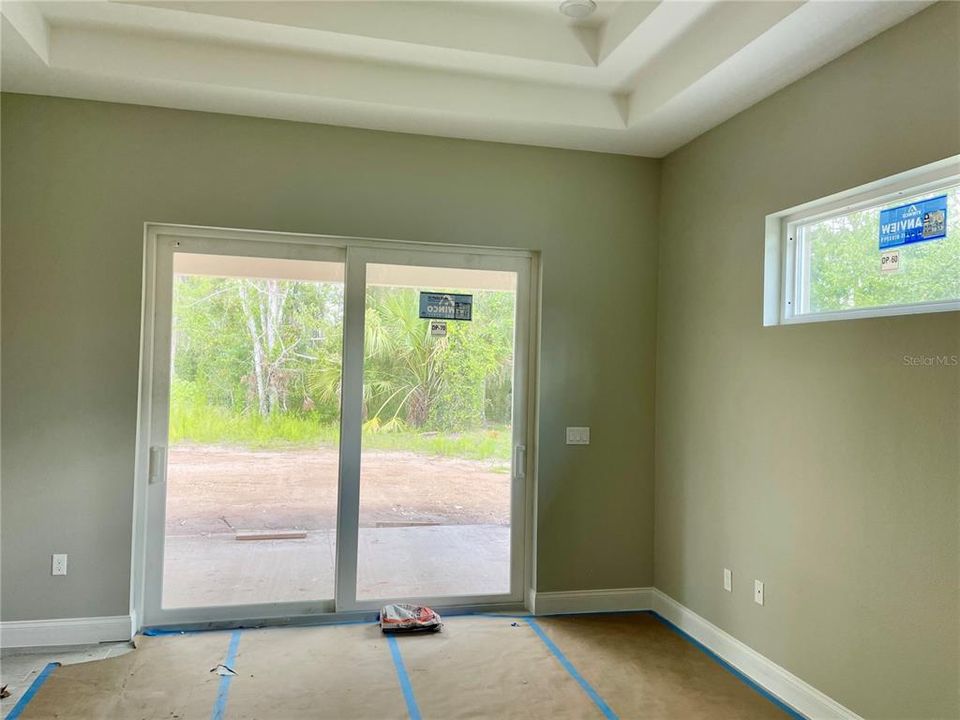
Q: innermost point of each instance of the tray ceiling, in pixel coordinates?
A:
(638, 78)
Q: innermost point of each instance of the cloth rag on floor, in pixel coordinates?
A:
(401, 618)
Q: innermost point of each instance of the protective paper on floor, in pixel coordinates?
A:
(165, 678)
(645, 670)
(490, 667)
(337, 671)
(479, 666)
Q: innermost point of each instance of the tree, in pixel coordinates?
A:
(403, 362)
(273, 348)
(246, 343)
(845, 263)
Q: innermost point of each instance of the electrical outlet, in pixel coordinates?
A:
(58, 565)
(578, 436)
(758, 592)
(727, 580)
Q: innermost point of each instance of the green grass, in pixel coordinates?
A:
(205, 424)
(491, 443)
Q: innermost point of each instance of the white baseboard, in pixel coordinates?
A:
(65, 631)
(587, 601)
(784, 685)
(801, 696)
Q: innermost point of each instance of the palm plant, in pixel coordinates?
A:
(403, 364)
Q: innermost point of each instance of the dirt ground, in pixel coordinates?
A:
(215, 489)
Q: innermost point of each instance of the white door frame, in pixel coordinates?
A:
(160, 242)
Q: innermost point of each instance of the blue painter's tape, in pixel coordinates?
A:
(157, 632)
(730, 668)
(574, 673)
(220, 706)
(412, 709)
(32, 690)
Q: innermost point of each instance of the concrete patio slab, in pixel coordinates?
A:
(217, 569)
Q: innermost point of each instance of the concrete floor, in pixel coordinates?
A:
(420, 561)
(19, 668)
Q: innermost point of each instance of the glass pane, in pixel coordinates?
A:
(435, 481)
(842, 258)
(254, 421)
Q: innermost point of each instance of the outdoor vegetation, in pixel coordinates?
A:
(257, 363)
(845, 263)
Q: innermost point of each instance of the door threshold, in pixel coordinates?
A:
(352, 617)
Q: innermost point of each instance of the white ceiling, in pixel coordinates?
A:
(639, 78)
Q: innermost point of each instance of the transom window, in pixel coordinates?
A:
(888, 248)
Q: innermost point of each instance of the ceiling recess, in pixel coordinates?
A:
(640, 77)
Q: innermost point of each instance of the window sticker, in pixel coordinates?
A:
(890, 261)
(915, 222)
(445, 306)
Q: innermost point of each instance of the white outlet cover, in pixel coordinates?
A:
(578, 436)
(758, 592)
(727, 580)
(58, 564)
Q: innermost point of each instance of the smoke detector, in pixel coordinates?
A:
(578, 9)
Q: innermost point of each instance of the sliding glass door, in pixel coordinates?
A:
(434, 492)
(331, 425)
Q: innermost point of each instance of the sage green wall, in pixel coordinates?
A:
(79, 180)
(811, 456)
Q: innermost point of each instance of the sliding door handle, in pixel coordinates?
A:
(158, 465)
(520, 461)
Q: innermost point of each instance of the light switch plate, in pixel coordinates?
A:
(578, 436)
(727, 580)
(758, 592)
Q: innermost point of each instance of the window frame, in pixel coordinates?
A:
(783, 284)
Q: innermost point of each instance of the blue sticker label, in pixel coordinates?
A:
(916, 222)
(445, 306)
